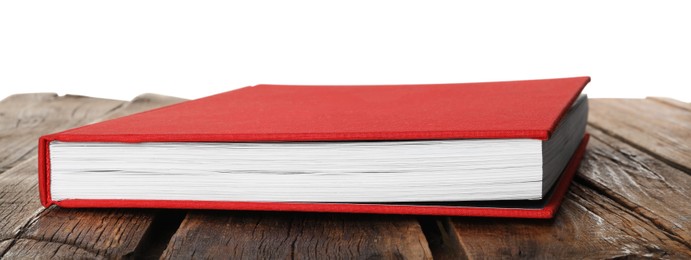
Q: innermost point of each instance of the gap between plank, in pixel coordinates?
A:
(441, 238)
(160, 231)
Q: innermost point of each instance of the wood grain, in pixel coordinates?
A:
(588, 226)
(25, 117)
(625, 203)
(30, 249)
(661, 130)
(639, 182)
(671, 102)
(28, 225)
(18, 198)
(266, 235)
(82, 233)
(5, 245)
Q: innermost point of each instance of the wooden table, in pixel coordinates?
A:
(631, 198)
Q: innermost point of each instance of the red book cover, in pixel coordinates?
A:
(275, 113)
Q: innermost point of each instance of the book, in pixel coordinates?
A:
(503, 149)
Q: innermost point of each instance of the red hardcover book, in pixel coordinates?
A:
(517, 110)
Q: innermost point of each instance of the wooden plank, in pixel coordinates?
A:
(29, 226)
(25, 117)
(671, 102)
(82, 233)
(268, 235)
(661, 130)
(588, 226)
(26, 249)
(143, 102)
(624, 203)
(18, 198)
(650, 188)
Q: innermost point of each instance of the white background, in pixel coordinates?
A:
(119, 49)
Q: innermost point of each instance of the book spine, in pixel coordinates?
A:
(44, 170)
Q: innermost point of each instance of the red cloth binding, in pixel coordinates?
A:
(275, 113)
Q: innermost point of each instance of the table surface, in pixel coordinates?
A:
(631, 198)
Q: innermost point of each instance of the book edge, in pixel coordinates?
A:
(548, 211)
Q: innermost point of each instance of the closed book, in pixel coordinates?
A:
(502, 149)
